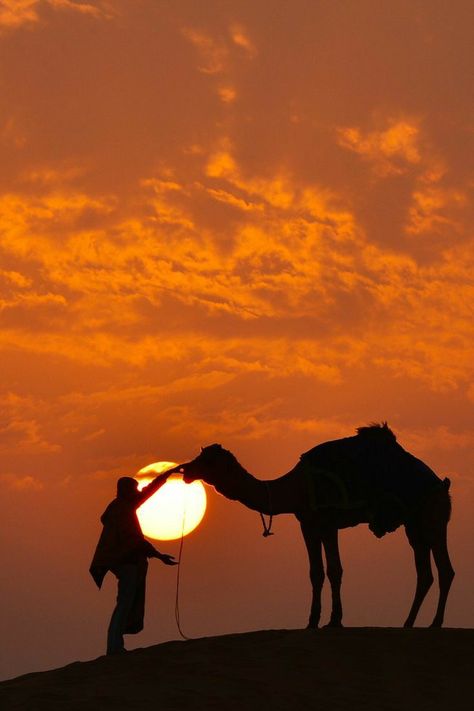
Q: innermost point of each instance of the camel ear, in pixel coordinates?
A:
(212, 447)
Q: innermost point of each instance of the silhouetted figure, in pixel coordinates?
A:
(123, 549)
(368, 478)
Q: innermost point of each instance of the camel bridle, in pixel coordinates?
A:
(267, 529)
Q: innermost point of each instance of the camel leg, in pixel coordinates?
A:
(445, 576)
(334, 573)
(424, 578)
(316, 570)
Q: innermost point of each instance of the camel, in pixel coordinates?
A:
(366, 478)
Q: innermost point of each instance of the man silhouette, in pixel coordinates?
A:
(123, 549)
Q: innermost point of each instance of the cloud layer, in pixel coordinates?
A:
(184, 239)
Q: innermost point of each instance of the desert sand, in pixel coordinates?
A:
(352, 668)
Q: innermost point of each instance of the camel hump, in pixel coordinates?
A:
(446, 483)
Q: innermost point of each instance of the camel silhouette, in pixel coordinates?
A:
(366, 478)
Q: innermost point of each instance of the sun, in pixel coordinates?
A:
(175, 510)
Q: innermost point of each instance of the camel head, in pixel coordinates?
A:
(208, 465)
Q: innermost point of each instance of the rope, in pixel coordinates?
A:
(176, 603)
(266, 529)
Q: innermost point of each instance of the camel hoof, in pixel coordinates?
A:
(334, 625)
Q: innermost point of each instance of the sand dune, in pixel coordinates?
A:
(354, 668)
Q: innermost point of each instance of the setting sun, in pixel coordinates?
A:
(175, 510)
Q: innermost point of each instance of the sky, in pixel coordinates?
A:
(238, 222)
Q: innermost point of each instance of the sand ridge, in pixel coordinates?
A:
(353, 668)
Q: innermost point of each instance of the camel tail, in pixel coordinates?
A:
(446, 483)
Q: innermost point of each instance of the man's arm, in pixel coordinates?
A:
(152, 552)
(156, 484)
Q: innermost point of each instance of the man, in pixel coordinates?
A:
(123, 549)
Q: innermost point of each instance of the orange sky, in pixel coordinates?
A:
(237, 222)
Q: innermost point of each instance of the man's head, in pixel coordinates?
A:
(127, 487)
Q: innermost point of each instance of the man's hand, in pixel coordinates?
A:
(167, 559)
(152, 552)
(169, 472)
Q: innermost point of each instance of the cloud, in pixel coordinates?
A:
(139, 395)
(24, 484)
(15, 278)
(431, 208)
(440, 439)
(393, 150)
(221, 57)
(241, 38)
(227, 94)
(84, 8)
(19, 13)
(22, 426)
(21, 436)
(213, 53)
(15, 13)
(436, 208)
(31, 300)
(287, 252)
(52, 175)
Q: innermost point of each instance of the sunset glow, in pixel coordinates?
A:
(175, 510)
(249, 223)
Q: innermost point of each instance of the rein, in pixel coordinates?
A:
(178, 576)
(267, 530)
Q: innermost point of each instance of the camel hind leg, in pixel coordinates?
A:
(445, 575)
(435, 524)
(429, 533)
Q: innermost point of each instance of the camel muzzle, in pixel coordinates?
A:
(181, 469)
(178, 469)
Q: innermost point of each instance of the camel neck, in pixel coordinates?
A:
(274, 496)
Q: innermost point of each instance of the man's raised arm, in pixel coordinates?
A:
(156, 484)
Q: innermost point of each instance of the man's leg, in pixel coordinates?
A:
(134, 622)
(127, 576)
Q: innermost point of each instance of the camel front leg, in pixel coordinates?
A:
(316, 570)
(334, 573)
